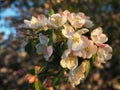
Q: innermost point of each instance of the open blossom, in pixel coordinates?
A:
(35, 23)
(103, 54)
(77, 74)
(76, 20)
(98, 37)
(43, 47)
(68, 31)
(69, 60)
(57, 20)
(88, 23)
(78, 41)
(73, 27)
(90, 50)
(43, 39)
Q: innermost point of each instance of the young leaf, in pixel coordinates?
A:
(88, 69)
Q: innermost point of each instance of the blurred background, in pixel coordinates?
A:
(14, 63)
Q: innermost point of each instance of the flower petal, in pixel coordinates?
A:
(43, 39)
(71, 62)
(68, 31)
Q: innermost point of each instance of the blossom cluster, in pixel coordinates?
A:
(74, 28)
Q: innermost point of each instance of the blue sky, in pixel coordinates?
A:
(5, 24)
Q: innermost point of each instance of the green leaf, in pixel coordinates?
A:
(88, 69)
(50, 13)
(38, 85)
(93, 58)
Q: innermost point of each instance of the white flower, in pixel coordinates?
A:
(68, 31)
(68, 60)
(40, 48)
(36, 23)
(43, 39)
(48, 52)
(43, 47)
(57, 20)
(90, 50)
(103, 54)
(77, 74)
(66, 13)
(98, 37)
(77, 41)
(76, 20)
(88, 23)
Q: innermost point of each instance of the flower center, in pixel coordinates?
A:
(76, 39)
(87, 49)
(58, 20)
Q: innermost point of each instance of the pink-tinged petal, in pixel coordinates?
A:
(43, 39)
(93, 49)
(49, 50)
(101, 45)
(84, 54)
(77, 74)
(108, 48)
(40, 48)
(77, 20)
(42, 17)
(97, 31)
(77, 53)
(88, 23)
(66, 53)
(43, 20)
(82, 31)
(27, 23)
(104, 54)
(90, 50)
(98, 37)
(86, 40)
(103, 38)
(68, 31)
(36, 23)
(67, 14)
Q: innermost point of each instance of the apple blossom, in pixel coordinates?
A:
(77, 20)
(72, 41)
(88, 23)
(68, 31)
(90, 50)
(35, 23)
(78, 41)
(43, 39)
(70, 62)
(98, 37)
(77, 74)
(103, 54)
(43, 47)
(57, 20)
